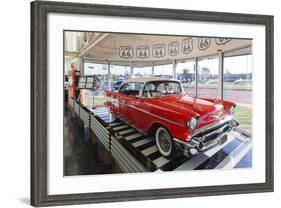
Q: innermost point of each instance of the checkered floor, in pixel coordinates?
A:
(236, 152)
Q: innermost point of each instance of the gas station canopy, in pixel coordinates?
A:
(118, 48)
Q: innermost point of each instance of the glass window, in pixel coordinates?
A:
(96, 98)
(95, 69)
(142, 71)
(237, 84)
(185, 72)
(165, 71)
(118, 74)
(208, 77)
(101, 70)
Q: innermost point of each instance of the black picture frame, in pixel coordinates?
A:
(39, 12)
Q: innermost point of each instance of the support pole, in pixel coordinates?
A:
(82, 61)
(220, 75)
(131, 69)
(109, 76)
(196, 76)
(152, 68)
(174, 69)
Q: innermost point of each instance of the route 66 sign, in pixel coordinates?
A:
(204, 43)
(126, 52)
(158, 51)
(187, 45)
(222, 41)
(142, 51)
(173, 48)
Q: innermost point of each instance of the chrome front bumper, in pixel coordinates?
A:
(207, 136)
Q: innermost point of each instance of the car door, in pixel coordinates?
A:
(128, 93)
(142, 114)
(122, 100)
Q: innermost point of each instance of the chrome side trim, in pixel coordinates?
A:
(154, 115)
(213, 125)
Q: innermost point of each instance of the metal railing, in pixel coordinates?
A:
(77, 108)
(85, 115)
(105, 134)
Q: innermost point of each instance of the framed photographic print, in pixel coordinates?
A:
(132, 103)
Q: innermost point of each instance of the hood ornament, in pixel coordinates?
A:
(197, 107)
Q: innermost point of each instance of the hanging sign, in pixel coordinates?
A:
(177, 48)
(187, 45)
(159, 50)
(222, 41)
(126, 52)
(142, 51)
(173, 48)
(204, 43)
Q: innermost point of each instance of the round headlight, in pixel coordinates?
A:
(231, 110)
(192, 123)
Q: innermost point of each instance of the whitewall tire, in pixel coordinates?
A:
(164, 142)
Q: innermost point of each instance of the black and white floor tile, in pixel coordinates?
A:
(236, 152)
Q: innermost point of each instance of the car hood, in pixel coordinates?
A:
(189, 106)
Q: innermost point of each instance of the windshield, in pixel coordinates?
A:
(161, 88)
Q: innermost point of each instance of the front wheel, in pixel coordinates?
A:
(164, 143)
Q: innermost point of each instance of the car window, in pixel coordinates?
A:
(131, 88)
(161, 88)
(148, 88)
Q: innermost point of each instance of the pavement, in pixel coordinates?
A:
(238, 96)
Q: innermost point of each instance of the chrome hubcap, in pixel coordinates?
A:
(164, 141)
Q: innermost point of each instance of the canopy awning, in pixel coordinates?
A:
(143, 49)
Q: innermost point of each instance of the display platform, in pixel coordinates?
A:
(135, 152)
(234, 153)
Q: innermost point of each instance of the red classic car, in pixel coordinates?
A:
(158, 106)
